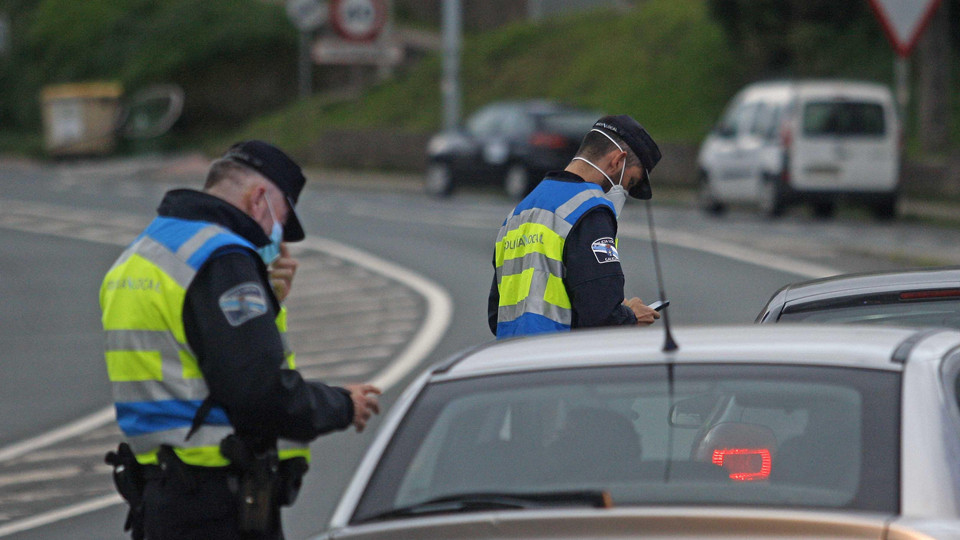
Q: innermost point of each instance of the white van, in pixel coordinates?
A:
(817, 142)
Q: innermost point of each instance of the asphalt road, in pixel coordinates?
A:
(360, 300)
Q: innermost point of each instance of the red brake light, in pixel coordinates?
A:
(744, 464)
(548, 140)
(942, 293)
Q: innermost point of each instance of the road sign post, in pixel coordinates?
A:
(307, 16)
(903, 22)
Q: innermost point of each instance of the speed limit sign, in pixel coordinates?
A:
(358, 20)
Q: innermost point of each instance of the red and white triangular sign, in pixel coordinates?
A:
(904, 21)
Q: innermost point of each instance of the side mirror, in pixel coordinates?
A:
(692, 413)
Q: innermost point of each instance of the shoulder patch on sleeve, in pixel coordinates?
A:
(605, 250)
(243, 302)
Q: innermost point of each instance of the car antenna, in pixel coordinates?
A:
(669, 344)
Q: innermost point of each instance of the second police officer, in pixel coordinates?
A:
(556, 264)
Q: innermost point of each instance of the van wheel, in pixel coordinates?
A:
(706, 202)
(516, 182)
(438, 181)
(886, 209)
(771, 201)
(824, 209)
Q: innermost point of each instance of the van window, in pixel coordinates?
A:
(843, 119)
(765, 121)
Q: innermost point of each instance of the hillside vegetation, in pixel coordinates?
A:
(667, 63)
(672, 64)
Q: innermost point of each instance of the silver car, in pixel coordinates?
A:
(914, 297)
(762, 431)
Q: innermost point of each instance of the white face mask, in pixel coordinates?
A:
(271, 251)
(615, 194)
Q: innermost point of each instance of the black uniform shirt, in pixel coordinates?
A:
(595, 287)
(242, 364)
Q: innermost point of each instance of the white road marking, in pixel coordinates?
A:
(73, 429)
(59, 514)
(736, 252)
(40, 476)
(677, 238)
(439, 307)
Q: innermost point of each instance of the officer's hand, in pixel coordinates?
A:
(365, 403)
(281, 273)
(645, 315)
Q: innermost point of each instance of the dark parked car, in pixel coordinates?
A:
(921, 297)
(512, 144)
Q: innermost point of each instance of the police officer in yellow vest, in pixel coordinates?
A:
(556, 264)
(216, 419)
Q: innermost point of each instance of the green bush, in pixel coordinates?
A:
(211, 48)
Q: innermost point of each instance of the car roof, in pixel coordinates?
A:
(783, 90)
(872, 347)
(872, 283)
(538, 106)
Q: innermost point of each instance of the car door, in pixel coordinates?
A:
(736, 155)
(483, 129)
(846, 144)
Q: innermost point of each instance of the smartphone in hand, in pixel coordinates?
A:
(659, 305)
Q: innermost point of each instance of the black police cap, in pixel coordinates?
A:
(277, 167)
(640, 142)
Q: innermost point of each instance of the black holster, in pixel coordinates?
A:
(257, 492)
(128, 477)
(291, 478)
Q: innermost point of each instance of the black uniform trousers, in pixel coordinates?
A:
(196, 504)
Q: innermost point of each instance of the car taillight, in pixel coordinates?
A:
(744, 464)
(940, 293)
(548, 140)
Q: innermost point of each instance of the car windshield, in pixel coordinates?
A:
(843, 118)
(730, 434)
(939, 312)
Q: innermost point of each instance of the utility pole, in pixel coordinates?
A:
(450, 85)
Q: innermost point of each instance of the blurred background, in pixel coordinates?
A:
(331, 85)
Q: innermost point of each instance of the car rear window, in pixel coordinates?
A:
(723, 434)
(879, 310)
(843, 118)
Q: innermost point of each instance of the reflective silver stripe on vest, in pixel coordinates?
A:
(208, 435)
(166, 260)
(535, 304)
(172, 383)
(567, 208)
(199, 238)
(537, 216)
(538, 261)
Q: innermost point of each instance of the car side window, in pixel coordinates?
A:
(727, 126)
(485, 122)
(738, 120)
(517, 123)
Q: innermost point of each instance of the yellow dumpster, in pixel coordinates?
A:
(80, 118)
